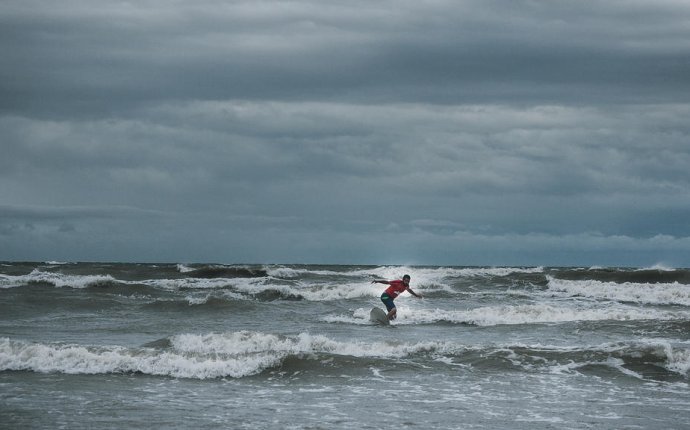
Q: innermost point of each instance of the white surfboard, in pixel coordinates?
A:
(379, 316)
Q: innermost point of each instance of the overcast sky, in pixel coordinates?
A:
(471, 132)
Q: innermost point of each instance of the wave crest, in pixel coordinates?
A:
(245, 353)
(643, 293)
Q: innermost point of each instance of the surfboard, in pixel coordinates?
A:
(379, 316)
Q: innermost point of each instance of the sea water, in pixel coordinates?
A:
(92, 345)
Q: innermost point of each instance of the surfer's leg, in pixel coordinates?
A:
(390, 306)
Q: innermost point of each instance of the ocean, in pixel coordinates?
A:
(213, 346)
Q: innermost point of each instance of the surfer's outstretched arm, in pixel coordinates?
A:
(419, 296)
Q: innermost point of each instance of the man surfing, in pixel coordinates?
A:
(395, 288)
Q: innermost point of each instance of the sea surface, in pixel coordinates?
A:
(210, 346)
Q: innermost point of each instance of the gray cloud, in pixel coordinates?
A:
(484, 132)
(106, 57)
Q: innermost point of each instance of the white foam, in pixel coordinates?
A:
(426, 276)
(418, 274)
(9, 281)
(246, 286)
(203, 299)
(284, 272)
(57, 279)
(360, 316)
(660, 267)
(678, 357)
(529, 314)
(74, 359)
(618, 364)
(430, 279)
(244, 353)
(657, 294)
(258, 286)
(185, 283)
(184, 269)
(311, 292)
(191, 356)
(290, 272)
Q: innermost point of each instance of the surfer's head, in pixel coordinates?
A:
(406, 279)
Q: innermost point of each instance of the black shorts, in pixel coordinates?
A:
(388, 301)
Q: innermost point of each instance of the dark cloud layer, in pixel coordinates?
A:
(471, 132)
(103, 57)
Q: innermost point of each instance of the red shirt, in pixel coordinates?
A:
(396, 287)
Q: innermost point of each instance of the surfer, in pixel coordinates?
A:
(395, 288)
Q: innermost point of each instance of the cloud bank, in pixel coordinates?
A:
(532, 133)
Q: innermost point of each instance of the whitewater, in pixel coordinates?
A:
(110, 345)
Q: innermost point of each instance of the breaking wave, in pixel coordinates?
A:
(644, 293)
(515, 315)
(245, 353)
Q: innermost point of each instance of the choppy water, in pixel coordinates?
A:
(216, 346)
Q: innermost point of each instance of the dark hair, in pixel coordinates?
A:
(406, 276)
